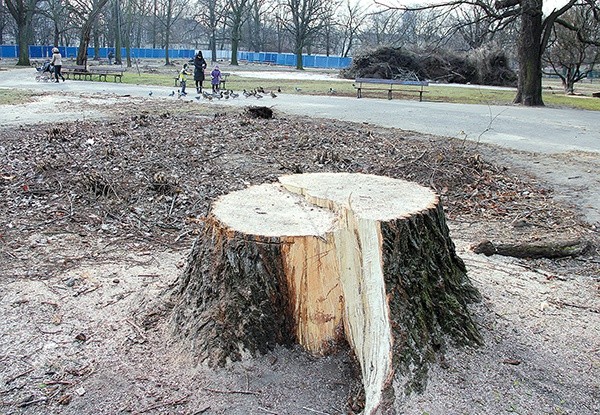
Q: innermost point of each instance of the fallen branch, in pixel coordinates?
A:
(138, 330)
(581, 307)
(31, 402)
(538, 249)
(231, 391)
(8, 381)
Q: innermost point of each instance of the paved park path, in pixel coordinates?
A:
(560, 146)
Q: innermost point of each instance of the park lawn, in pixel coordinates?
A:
(15, 96)
(436, 93)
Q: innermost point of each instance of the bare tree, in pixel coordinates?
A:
(351, 21)
(55, 13)
(574, 48)
(238, 13)
(118, 29)
(385, 27)
(4, 21)
(211, 15)
(86, 13)
(534, 32)
(257, 23)
(143, 17)
(306, 19)
(23, 11)
(474, 26)
(167, 13)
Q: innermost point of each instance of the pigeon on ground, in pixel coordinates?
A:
(172, 94)
(273, 95)
(150, 93)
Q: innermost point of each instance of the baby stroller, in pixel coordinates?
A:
(44, 72)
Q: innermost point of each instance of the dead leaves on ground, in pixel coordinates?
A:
(149, 176)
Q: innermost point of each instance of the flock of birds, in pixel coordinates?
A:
(257, 93)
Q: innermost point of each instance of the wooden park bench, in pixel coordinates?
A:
(390, 85)
(76, 72)
(224, 76)
(81, 72)
(103, 72)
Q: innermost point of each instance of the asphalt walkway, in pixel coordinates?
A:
(538, 130)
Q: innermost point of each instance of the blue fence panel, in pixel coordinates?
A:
(285, 59)
(321, 61)
(36, 51)
(308, 61)
(9, 51)
(271, 57)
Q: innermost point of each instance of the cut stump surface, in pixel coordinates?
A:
(327, 258)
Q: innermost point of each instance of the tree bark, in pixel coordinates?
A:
(529, 91)
(86, 29)
(23, 12)
(325, 260)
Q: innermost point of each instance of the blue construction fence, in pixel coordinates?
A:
(289, 59)
(284, 59)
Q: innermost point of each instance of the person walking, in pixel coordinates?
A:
(199, 67)
(216, 79)
(57, 63)
(183, 78)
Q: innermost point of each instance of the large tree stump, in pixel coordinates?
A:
(326, 258)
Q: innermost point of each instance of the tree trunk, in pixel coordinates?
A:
(84, 41)
(529, 90)
(168, 23)
(86, 29)
(23, 42)
(299, 63)
(56, 36)
(23, 13)
(213, 45)
(324, 260)
(236, 36)
(118, 43)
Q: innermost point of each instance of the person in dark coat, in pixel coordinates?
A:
(199, 67)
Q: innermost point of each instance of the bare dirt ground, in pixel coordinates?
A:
(98, 218)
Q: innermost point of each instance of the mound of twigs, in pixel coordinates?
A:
(482, 66)
(259, 112)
